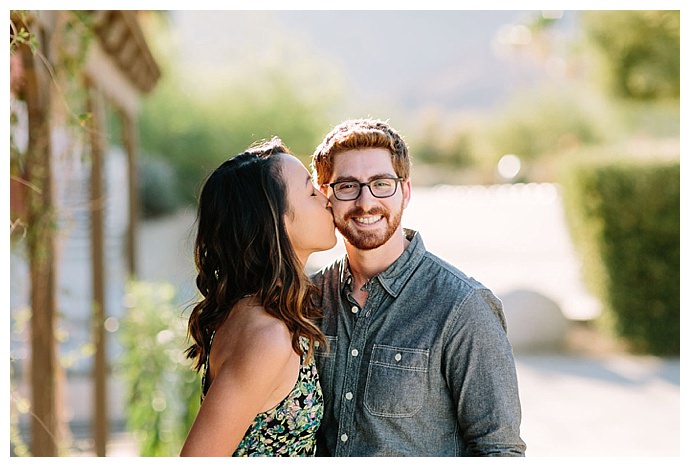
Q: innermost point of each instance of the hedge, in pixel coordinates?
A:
(624, 219)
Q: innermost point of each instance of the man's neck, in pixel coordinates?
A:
(365, 264)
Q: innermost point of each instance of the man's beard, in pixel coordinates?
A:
(369, 240)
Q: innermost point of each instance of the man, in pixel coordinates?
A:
(418, 362)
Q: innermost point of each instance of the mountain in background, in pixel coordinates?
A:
(410, 59)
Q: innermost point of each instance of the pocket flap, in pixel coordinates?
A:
(400, 357)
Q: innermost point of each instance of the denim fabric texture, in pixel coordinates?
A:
(424, 369)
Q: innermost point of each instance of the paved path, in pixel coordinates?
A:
(613, 405)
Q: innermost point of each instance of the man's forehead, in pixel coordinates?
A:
(367, 161)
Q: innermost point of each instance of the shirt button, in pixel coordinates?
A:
(348, 396)
(398, 357)
(355, 309)
(343, 437)
(355, 352)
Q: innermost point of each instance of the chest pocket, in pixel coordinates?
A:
(396, 381)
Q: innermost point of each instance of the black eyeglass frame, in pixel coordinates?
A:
(368, 185)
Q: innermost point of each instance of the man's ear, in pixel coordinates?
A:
(407, 191)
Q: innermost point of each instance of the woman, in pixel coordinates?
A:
(259, 218)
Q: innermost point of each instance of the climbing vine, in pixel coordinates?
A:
(56, 50)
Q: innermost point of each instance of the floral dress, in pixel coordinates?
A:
(289, 428)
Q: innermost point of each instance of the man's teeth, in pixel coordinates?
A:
(367, 220)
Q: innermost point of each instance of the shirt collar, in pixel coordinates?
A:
(345, 276)
(396, 275)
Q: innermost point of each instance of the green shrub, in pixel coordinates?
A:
(196, 132)
(162, 390)
(537, 123)
(625, 222)
(157, 188)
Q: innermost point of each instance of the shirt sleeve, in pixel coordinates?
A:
(479, 368)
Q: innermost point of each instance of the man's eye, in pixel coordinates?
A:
(346, 186)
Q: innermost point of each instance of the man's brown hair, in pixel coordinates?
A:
(360, 134)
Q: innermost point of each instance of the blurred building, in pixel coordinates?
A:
(77, 79)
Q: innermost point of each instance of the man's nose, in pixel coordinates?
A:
(365, 199)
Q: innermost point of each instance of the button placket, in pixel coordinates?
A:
(352, 371)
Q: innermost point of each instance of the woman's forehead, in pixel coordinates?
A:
(293, 167)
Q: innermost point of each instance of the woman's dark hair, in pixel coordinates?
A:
(242, 248)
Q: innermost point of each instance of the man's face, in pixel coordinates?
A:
(367, 222)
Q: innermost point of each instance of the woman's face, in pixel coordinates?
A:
(309, 223)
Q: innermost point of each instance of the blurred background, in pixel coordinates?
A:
(546, 163)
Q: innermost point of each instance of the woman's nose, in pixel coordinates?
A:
(326, 201)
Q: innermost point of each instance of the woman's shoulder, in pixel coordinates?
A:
(252, 332)
(266, 333)
(257, 323)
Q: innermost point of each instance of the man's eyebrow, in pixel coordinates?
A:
(349, 178)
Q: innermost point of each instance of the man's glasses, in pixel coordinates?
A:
(379, 188)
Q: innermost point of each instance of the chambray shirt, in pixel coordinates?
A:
(423, 369)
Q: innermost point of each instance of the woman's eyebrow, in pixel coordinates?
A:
(309, 184)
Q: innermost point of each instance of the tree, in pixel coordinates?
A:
(638, 51)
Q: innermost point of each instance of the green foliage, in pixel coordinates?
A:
(162, 390)
(625, 221)
(195, 133)
(157, 187)
(658, 119)
(20, 405)
(545, 122)
(19, 34)
(444, 144)
(639, 51)
(539, 125)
